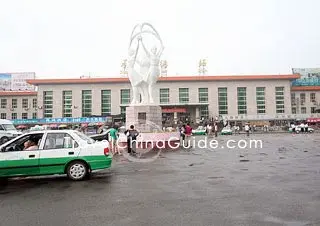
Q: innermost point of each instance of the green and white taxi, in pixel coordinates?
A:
(54, 152)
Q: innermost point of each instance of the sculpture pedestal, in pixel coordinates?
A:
(145, 118)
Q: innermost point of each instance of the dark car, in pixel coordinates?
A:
(101, 136)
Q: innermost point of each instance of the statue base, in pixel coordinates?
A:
(145, 118)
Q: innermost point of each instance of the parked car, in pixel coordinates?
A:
(226, 131)
(298, 129)
(102, 136)
(58, 152)
(201, 130)
(7, 131)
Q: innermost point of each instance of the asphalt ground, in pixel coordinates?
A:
(278, 184)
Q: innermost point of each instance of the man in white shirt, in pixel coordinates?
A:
(247, 129)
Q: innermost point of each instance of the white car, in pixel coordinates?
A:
(201, 130)
(7, 131)
(298, 129)
(53, 152)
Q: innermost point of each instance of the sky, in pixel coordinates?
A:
(70, 38)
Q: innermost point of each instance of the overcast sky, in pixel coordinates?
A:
(69, 38)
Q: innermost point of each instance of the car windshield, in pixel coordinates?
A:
(85, 137)
(9, 127)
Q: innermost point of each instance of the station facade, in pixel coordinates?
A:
(182, 98)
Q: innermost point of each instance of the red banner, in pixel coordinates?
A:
(172, 110)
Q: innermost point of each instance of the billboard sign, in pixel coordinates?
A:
(309, 76)
(59, 120)
(16, 81)
(5, 81)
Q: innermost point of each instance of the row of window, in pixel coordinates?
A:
(242, 100)
(14, 115)
(303, 110)
(302, 100)
(14, 103)
(67, 105)
(125, 99)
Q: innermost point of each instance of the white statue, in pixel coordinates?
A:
(143, 82)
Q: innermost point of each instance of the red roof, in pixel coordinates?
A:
(18, 93)
(164, 79)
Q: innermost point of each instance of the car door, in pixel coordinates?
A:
(15, 161)
(59, 148)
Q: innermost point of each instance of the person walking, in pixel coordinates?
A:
(182, 134)
(209, 129)
(113, 140)
(132, 135)
(247, 129)
(188, 134)
(216, 130)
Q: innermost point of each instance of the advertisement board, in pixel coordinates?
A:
(5, 81)
(309, 76)
(16, 81)
(59, 120)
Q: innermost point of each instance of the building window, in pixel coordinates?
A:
(294, 110)
(302, 98)
(303, 110)
(3, 116)
(86, 103)
(223, 101)
(164, 96)
(293, 99)
(242, 100)
(47, 104)
(34, 103)
(24, 103)
(261, 100)
(24, 115)
(3, 103)
(183, 95)
(203, 95)
(313, 110)
(279, 100)
(312, 97)
(14, 103)
(67, 104)
(204, 112)
(125, 96)
(105, 102)
(34, 115)
(14, 116)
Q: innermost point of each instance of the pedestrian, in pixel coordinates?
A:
(132, 135)
(182, 133)
(113, 139)
(216, 130)
(188, 134)
(247, 129)
(209, 129)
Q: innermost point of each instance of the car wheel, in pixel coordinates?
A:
(3, 140)
(77, 170)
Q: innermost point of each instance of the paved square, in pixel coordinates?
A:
(275, 185)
